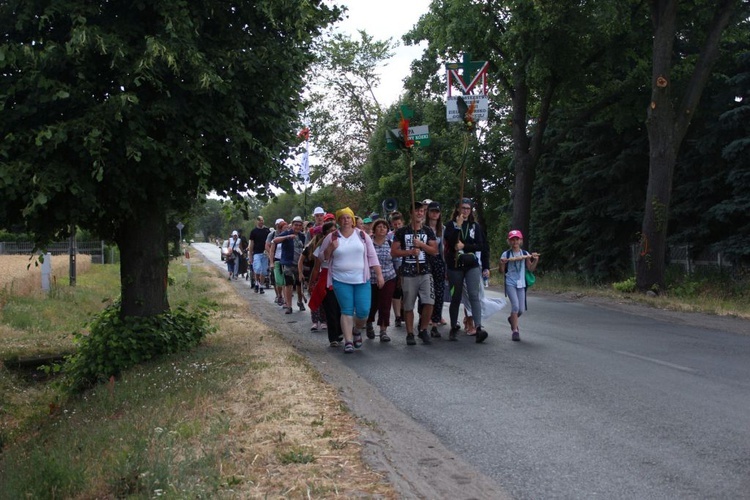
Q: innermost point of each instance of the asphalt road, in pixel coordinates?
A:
(597, 400)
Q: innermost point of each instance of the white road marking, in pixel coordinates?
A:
(658, 362)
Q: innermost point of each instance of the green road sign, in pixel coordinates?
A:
(419, 134)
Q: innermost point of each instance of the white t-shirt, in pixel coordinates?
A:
(323, 263)
(348, 260)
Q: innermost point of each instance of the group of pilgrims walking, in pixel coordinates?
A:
(355, 274)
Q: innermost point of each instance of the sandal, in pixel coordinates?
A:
(358, 341)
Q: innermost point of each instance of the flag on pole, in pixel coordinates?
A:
(304, 169)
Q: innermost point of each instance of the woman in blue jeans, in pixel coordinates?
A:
(464, 238)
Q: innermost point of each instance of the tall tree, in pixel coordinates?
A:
(117, 113)
(342, 109)
(536, 49)
(673, 104)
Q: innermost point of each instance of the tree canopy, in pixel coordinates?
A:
(116, 114)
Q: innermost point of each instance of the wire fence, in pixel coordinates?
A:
(94, 248)
(682, 255)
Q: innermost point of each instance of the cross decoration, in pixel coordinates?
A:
(473, 72)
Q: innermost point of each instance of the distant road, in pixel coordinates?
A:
(600, 401)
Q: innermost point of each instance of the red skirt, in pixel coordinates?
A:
(320, 290)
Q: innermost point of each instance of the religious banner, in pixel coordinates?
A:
(470, 77)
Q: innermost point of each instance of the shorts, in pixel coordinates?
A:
(291, 275)
(260, 263)
(517, 298)
(417, 286)
(354, 300)
(278, 274)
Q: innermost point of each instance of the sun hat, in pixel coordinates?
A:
(515, 234)
(318, 211)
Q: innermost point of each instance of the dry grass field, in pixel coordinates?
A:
(22, 275)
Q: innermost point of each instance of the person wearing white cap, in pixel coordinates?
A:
(318, 214)
(233, 258)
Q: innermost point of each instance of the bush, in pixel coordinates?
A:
(115, 344)
(627, 286)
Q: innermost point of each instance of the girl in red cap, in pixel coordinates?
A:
(513, 264)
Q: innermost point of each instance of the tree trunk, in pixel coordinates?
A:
(522, 159)
(667, 127)
(144, 264)
(650, 263)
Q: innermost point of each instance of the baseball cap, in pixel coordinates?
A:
(417, 205)
(329, 216)
(235, 233)
(297, 219)
(318, 211)
(433, 205)
(367, 220)
(515, 234)
(278, 221)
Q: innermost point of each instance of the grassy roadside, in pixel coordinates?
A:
(243, 415)
(709, 293)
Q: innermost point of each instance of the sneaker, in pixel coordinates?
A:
(516, 337)
(434, 333)
(357, 341)
(398, 322)
(301, 305)
(410, 339)
(424, 337)
(370, 331)
(384, 337)
(262, 291)
(453, 335)
(335, 343)
(288, 310)
(348, 348)
(481, 335)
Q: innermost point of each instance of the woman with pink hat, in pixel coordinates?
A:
(513, 264)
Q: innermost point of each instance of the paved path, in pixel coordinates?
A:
(597, 400)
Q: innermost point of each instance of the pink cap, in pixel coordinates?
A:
(515, 234)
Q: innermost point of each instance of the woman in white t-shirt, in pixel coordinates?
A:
(351, 255)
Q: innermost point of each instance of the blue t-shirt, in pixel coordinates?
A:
(288, 248)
